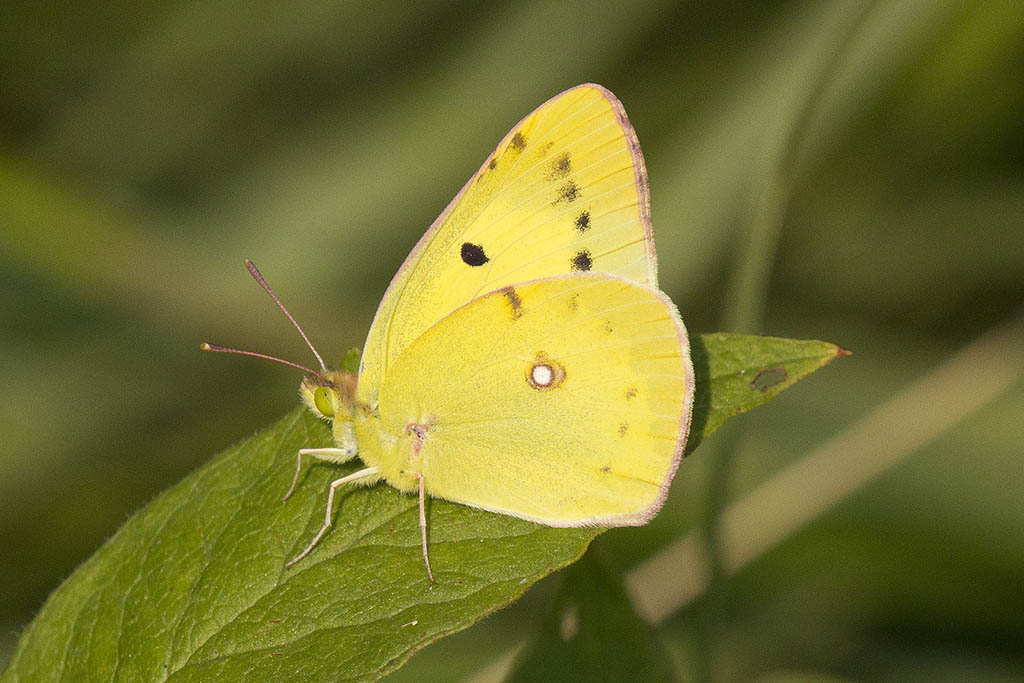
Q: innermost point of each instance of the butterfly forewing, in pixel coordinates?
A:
(565, 191)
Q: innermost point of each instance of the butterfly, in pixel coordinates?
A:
(523, 360)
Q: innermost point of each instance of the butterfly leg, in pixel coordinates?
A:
(355, 476)
(423, 525)
(419, 433)
(335, 455)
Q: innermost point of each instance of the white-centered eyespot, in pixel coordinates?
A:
(544, 373)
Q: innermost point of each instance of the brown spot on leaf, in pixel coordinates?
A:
(766, 379)
(631, 393)
(623, 428)
(493, 163)
(518, 142)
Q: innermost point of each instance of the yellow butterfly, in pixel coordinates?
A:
(523, 360)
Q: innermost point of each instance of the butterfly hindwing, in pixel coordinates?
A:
(565, 191)
(564, 400)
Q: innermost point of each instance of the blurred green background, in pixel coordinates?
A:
(846, 171)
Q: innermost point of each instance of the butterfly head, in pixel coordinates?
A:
(329, 395)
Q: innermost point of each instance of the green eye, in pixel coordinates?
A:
(322, 400)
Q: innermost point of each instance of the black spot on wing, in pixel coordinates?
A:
(582, 261)
(518, 142)
(560, 167)
(568, 192)
(493, 163)
(473, 254)
(583, 222)
(623, 428)
(631, 393)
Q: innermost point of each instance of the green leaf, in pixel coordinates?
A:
(193, 587)
(738, 372)
(591, 611)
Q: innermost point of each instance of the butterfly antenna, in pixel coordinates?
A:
(254, 271)
(205, 346)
